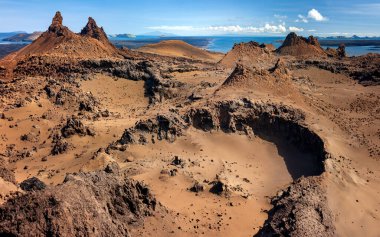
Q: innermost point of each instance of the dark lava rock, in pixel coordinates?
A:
(197, 187)
(86, 204)
(32, 184)
(60, 146)
(300, 210)
(341, 51)
(201, 119)
(219, 188)
(75, 126)
(112, 167)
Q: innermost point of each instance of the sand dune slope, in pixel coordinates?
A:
(178, 48)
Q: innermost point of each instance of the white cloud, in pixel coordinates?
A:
(302, 18)
(314, 14)
(295, 29)
(312, 30)
(267, 28)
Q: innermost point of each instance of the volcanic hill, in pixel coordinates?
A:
(248, 53)
(299, 46)
(58, 40)
(178, 48)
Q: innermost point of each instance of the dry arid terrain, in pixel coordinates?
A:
(172, 140)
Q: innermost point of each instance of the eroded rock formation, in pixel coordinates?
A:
(86, 204)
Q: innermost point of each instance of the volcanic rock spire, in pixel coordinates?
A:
(94, 31)
(56, 25)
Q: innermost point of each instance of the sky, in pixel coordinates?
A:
(199, 17)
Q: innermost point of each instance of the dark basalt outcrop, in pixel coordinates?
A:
(61, 67)
(163, 127)
(32, 184)
(341, 51)
(300, 210)
(60, 145)
(75, 126)
(86, 204)
(201, 119)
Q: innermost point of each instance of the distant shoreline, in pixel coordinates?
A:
(350, 42)
(354, 47)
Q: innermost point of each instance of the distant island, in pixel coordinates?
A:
(23, 37)
(159, 33)
(347, 41)
(122, 36)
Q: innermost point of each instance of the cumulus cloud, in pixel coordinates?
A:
(267, 28)
(302, 18)
(314, 14)
(295, 29)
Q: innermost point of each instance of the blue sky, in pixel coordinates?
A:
(199, 17)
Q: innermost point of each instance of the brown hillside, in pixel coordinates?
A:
(178, 48)
(299, 46)
(247, 52)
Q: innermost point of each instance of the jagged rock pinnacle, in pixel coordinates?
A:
(94, 31)
(56, 25)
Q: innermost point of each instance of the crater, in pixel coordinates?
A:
(250, 150)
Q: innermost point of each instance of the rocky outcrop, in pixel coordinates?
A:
(75, 126)
(32, 184)
(300, 210)
(86, 204)
(201, 119)
(163, 127)
(60, 145)
(358, 68)
(339, 53)
(94, 31)
(57, 27)
(299, 46)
